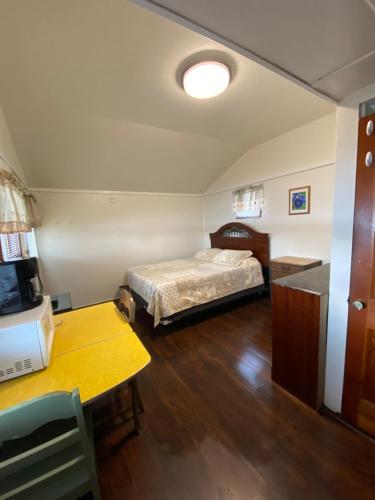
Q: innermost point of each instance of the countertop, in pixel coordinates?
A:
(314, 280)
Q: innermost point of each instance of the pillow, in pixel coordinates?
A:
(207, 254)
(232, 257)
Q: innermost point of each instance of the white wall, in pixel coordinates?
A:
(347, 130)
(303, 148)
(89, 239)
(301, 235)
(302, 157)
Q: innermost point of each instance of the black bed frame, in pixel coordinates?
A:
(233, 236)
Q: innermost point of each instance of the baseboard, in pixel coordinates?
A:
(337, 416)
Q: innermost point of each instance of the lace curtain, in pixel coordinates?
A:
(248, 202)
(17, 205)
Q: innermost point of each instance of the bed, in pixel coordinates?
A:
(174, 289)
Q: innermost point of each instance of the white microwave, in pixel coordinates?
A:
(26, 341)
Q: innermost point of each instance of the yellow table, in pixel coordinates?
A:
(94, 349)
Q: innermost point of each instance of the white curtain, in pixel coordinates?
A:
(248, 202)
(17, 205)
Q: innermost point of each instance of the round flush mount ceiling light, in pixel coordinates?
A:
(206, 79)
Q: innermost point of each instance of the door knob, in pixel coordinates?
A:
(359, 304)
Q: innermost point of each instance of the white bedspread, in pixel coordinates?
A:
(172, 286)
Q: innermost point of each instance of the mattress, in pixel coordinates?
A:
(173, 286)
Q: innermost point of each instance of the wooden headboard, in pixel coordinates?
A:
(237, 236)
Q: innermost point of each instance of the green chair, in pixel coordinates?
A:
(45, 451)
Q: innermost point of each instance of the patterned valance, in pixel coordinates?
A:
(17, 205)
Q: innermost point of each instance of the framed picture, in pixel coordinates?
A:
(299, 200)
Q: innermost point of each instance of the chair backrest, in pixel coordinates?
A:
(44, 449)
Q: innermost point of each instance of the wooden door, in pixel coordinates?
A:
(359, 382)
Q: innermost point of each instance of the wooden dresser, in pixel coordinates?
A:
(284, 266)
(299, 325)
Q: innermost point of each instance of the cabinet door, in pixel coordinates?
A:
(295, 342)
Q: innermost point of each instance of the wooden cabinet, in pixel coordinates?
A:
(299, 324)
(284, 266)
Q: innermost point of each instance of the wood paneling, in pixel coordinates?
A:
(216, 428)
(295, 343)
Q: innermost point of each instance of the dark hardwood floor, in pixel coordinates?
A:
(215, 427)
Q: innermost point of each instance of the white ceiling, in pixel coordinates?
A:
(90, 92)
(327, 44)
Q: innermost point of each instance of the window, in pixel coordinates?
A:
(11, 246)
(17, 246)
(248, 202)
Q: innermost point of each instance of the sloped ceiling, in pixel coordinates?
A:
(90, 90)
(328, 45)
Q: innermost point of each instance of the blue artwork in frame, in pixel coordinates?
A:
(299, 200)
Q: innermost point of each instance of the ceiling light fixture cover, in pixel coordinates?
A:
(206, 79)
